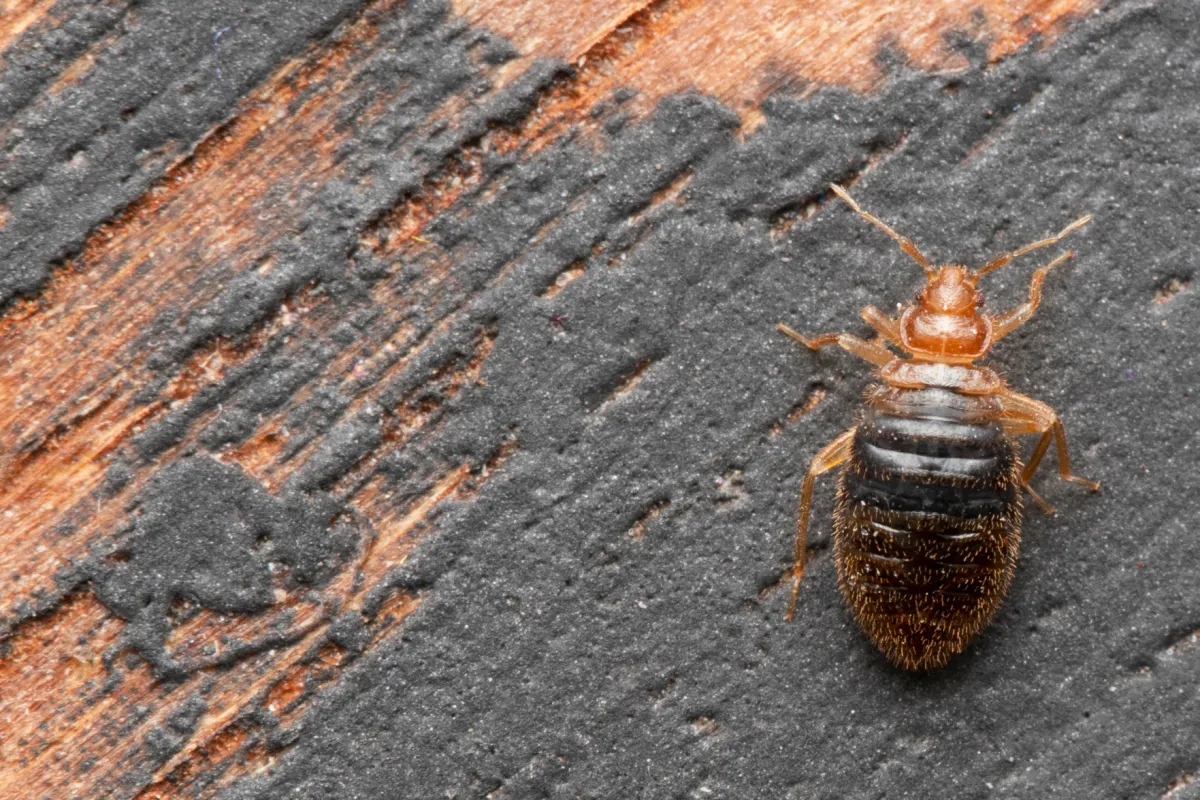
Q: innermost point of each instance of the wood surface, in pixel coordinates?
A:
(75, 355)
(741, 52)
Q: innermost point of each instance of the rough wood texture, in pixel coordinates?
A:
(320, 314)
(740, 52)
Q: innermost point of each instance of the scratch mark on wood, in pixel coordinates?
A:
(638, 531)
(816, 394)
(627, 384)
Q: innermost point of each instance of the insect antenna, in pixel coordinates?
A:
(905, 243)
(1004, 259)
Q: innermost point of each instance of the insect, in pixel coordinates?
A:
(927, 522)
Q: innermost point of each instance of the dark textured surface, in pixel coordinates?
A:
(74, 156)
(207, 533)
(556, 654)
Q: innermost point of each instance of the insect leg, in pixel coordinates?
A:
(833, 454)
(1005, 258)
(1042, 419)
(1015, 427)
(887, 327)
(875, 353)
(1006, 323)
(1047, 509)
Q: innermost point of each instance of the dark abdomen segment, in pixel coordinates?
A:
(927, 525)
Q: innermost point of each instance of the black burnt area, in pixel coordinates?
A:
(536, 662)
(206, 534)
(70, 159)
(427, 58)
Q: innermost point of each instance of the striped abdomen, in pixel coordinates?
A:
(927, 525)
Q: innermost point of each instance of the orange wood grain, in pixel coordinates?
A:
(211, 209)
(741, 51)
(17, 15)
(68, 732)
(64, 733)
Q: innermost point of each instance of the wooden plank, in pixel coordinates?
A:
(78, 719)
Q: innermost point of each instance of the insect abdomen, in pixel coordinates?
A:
(927, 525)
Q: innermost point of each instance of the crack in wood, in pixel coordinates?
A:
(816, 393)
(573, 271)
(806, 208)
(1176, 787)
(627, 383)
(638, 531)
(1170, 288)
(1001, 119)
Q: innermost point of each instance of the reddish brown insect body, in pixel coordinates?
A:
(928, 519)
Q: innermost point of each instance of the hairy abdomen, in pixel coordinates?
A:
(927, 525)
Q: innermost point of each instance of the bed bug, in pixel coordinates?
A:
(927, 523)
